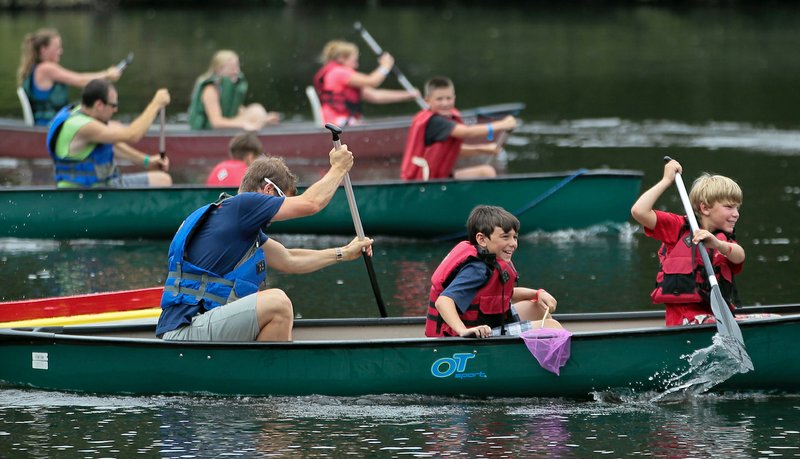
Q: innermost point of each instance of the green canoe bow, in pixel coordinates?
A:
(348, 357)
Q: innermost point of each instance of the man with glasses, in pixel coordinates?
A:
(83, 141)
(217, 262)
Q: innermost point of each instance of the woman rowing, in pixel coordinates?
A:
(218, 98)
(45, 81)
(341, 88)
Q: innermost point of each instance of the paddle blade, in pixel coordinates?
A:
(729, 330)
(550, 347)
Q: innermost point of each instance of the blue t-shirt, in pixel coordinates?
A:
(468, 281)
(230, 231)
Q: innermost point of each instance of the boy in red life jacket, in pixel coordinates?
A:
(436, 138)
(473, 291)
(681, 283)
(244, 148)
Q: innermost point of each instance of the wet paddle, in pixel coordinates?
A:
(351, 201)
(125, 62)
(376, 48)
(726, 325)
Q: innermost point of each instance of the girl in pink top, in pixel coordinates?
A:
(341, 88)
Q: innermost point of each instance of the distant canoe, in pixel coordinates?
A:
(434, 209)
(380, 138)
(64, 309)
(352, 357)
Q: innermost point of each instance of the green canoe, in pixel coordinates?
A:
(438, 208)
(627, 352)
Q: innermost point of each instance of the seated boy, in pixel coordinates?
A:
(436, 138)
(243, 149)
(473, 291)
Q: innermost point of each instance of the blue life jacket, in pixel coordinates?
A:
(96, 169)
(190, 290)
(45, 103)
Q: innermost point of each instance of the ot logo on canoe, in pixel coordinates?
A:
(455, 365)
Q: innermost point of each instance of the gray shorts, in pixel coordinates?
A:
(138, 179)
(236, 321)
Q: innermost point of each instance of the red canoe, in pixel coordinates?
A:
(379, 139)
(93, 303)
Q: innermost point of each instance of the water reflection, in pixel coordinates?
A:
(595, 260)
(713, 425)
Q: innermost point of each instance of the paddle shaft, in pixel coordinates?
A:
(726, 324)
(687, 207)
(162, 140)
(125, 62)
(501, 139)
(376, 48)
(351, 201)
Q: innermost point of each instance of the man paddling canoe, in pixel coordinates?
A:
(215, 289)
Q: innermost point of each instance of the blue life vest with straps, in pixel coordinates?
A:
(190, 290)
(93, 166)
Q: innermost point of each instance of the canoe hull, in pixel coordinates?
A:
(382, 138)
(543, 202)
(600, 361)
(78, 305)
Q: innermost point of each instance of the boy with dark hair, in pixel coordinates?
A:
(474, 292)
(244, 148)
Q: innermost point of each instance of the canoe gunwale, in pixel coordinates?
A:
(94, 334)
(589, 173)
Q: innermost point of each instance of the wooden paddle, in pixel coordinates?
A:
(351, 200)
(376, 48)
(726, 325)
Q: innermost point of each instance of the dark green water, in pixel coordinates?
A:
(610, 86)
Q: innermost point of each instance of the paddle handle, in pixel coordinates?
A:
(376, 48)
(125, 62)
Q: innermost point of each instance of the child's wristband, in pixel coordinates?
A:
(490, 133)
(536, 295)
(146, 161)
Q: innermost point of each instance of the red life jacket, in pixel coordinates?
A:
(441, 156)
(491, 305)
(346, 103)
(682, 278)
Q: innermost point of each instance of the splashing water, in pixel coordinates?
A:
(708, 367)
